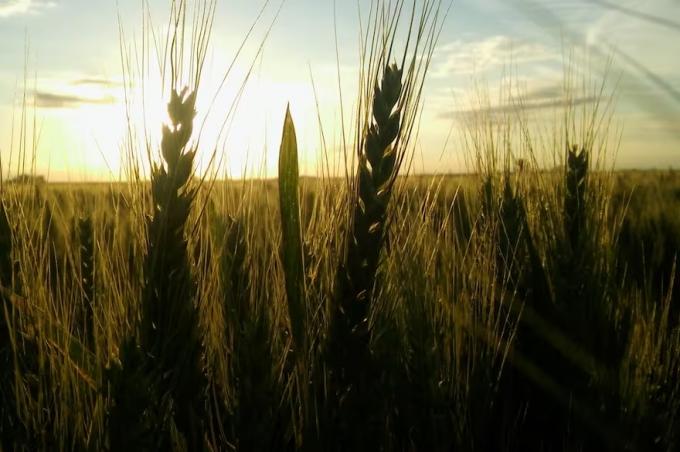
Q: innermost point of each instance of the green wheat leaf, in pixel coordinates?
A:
(291, 251)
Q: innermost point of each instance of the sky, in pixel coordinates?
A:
(61, 59)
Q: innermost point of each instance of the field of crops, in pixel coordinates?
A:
(518, 307)
(547, 317)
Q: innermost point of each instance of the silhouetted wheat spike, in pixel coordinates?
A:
(20, 364)
(597, 320)
(169, 357)
(50, 241)
(579, 288)
(5, 248)
(7, 404)
(519, 267)
(235, 271)
(170, 331)
(510, 256)
(489, 204)
(374, 188)
(140, 417)
(575, 195)
(251, 415)
(349, 336)
(87, 275)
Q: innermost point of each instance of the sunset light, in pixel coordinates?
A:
(78, 85)
(340, 226)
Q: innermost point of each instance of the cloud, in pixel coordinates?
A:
(544, 97)
(12, 7)
(101, 82)
(551, 91)
(469, 57)
(641, 15)
(15, 7)
(53, 100)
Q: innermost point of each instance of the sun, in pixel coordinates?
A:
(251, 142)
(238, 125)
(92, 129)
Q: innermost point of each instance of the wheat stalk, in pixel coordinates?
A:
(576, 180)
(376, 173)
(169, 358)
(170, 331)
(8, 419)
(388, 106)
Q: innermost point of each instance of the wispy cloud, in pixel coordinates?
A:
(641, 15)
(546, 97)
(642, 51)
(55, 100)
(468, 57)
(503, 109)
(16, 7)
(100, 82)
